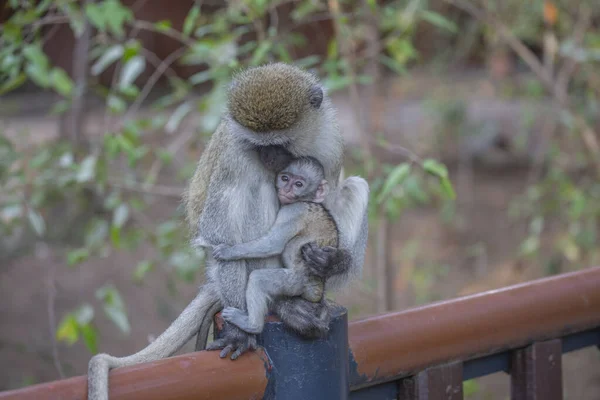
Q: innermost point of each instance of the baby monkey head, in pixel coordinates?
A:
(302, 180)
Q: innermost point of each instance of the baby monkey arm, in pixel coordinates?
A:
(287, 225)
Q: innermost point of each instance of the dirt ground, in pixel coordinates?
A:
(37, 288)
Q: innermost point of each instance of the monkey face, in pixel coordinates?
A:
(291, 188)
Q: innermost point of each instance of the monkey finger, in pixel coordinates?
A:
(216, 345)
(239, 351)
(308, 252)
(252, 343)
(226, 351)
(318, 259)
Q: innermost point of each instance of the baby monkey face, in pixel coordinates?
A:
(292, 188)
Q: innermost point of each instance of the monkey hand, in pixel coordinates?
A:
(222, 252)
(319, 258)
(233, 340)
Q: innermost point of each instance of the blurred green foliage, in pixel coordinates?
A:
(118, 176)
(111, 176)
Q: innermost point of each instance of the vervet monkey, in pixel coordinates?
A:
(302, 219)
(231, 199)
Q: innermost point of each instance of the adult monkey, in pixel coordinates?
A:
(231, 199)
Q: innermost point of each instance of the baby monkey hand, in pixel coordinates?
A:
(318, 258)
(222, 252)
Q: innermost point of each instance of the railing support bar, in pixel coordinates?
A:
(442, 382)
(536, 372)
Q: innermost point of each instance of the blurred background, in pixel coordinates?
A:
(475, 121)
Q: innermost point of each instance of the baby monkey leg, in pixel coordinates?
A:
(264, 285)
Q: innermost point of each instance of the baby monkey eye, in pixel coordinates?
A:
(285, 178)
(299, 184)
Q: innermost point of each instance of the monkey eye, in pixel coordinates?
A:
(285, 178)
(299, 184)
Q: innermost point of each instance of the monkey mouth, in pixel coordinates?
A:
(283, 199)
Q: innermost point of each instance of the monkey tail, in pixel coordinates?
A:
(349, 210)
(181, 330)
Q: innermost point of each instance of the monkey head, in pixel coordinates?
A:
(272, 98)
(302, 180)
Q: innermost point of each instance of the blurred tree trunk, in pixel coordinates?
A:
(73, 124)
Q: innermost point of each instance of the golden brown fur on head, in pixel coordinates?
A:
(271, 97)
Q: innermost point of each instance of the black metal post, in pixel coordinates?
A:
(302, 369)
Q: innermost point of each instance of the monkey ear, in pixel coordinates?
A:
(315, 97)
(322, 191)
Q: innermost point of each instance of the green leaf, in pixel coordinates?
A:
(77, 256)
(120, 215)
(60, 107)
(435, 168)
(38, 75)
(96, 16)
(142, 269)
(35, 55)
(11, 213)
(190, 20)
(76, 18)
(12, 83)
(61, 81)
(87, 169)
(114, 307)
(110, 56)
(439, 20)
(470, 387)
(163, 26)
(530, 246)
(447, 188)
(67, 330)
(201, 77)
(131, 70)
(308, 62)
(396, 177)
(115, 236)
(261, 52)
(84, 314)
(96, 233)
(109, 15)
(132, 49)
(116, 105)
(177, 116)
(577, 206)
(90, 337)
(36, 221)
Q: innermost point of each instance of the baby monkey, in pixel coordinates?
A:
(302, 219)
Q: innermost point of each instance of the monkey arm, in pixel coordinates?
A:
(288, 224)
(349, 208)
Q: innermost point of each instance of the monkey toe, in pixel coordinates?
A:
(216, 345)
(226, 350)
(231, 313)
(239, 351)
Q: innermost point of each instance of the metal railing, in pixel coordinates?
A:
(422, 354)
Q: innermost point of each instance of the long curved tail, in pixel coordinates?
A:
(349, 209)
(181, 330)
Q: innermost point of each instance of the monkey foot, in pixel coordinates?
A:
(239, 319)
(233, 340)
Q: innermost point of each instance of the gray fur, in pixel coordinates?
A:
(286, 237)
(233, 201)
(297, 225)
